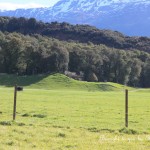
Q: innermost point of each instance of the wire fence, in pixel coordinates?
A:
(90, 110)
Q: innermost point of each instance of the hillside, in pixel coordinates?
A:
(56, 82)
(73, 119)
(77, 33)
(130, 17)
(35, 54)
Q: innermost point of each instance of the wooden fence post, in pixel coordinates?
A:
(15, 99)
(126, 108)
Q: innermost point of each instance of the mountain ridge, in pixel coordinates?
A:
(130, 17)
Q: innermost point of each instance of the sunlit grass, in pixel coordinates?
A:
(57, 82)
(81, 119)
(71, 119)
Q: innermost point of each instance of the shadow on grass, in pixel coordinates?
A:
(121, 131)
(106, 87)
(11, 80)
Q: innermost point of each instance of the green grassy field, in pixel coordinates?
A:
(59, 113)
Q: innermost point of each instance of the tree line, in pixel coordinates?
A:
(37, 54)
(78, 33)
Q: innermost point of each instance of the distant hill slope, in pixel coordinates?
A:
(128, 16)
(56, 82)
(79, 33)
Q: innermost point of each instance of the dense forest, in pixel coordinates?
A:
(78, 33)
(37, 48)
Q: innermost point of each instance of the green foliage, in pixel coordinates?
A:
(80, 33)
(34, 54)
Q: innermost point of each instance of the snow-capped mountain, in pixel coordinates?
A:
(131, 17)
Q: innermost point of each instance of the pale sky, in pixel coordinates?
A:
(14, 4)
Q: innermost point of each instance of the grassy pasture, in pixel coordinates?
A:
(59, 113)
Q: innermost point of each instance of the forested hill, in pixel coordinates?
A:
(30, 52)
(79, 33)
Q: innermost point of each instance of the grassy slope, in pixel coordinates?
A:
(56, 81)
(74, 119)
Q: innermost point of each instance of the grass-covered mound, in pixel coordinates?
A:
(56, 81)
